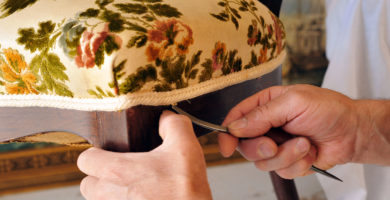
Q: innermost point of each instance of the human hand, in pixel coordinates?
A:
(326, 125)
(174, 170)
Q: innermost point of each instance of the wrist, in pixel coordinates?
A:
(372, 144)
(197, 191)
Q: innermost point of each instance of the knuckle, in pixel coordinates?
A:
(296, 95)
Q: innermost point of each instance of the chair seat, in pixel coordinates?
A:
(110, 55)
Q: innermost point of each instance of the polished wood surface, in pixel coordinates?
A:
(284, 189)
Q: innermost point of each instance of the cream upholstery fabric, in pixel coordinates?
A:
(113, 54)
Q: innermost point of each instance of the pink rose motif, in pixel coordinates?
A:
(218, 55)
(89, 45)
(167, 39)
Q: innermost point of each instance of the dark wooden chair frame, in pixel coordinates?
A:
(135, 129)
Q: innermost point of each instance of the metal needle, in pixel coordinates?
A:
(223, 129)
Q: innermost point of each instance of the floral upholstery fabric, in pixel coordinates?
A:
(114, 54)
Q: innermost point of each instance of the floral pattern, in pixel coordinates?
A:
(91, 44)
(155, 27)
(270, 36)
(168, 38)
(16, 74)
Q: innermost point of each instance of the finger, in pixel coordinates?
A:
(176, 130)
(258, 99)
(93, 188)
(275, 113)
(116, 167)
(258, 148)
(227, 144)
(288, 153)
(301, 167)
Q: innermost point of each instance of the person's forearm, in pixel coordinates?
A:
(373, 143)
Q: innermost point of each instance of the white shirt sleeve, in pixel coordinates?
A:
(358, 49)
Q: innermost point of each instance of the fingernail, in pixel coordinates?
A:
(301, 146)
(265, 151)
(239, 124)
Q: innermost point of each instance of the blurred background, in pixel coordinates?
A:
(45, 171)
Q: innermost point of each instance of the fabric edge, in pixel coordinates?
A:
(147, 98)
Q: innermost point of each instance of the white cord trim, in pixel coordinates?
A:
(146, 98)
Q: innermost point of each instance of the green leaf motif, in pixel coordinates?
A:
(99, 56)
(90, 12)
(221, 3)
(149, 1)
(193, 74)
(56, 68)
(119, 67)
(116, 23)
(52, 71)
(235, 13)
(189, 72)
(148, 18)
(103, 3)
(207, 73)
(136, 27)
(36, 40)
(164, 87)
(117, 75)
(8, 7)
(219, 17)
(62, 90)
(108, 46)
(172, 70)
(195, 59)
(138, 41)
(99, 93)
(244, 9)
(233, 63)
(132, 8)
(93, 93)
(164, 10)
(136, 81)
(235, 22)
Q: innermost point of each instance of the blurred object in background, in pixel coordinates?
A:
(304, 21)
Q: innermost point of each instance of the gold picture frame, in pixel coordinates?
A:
(55, 166)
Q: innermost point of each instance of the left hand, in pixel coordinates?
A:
(174, 170)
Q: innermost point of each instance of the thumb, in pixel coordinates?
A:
(176, 130)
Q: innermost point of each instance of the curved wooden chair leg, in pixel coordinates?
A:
(284, 189)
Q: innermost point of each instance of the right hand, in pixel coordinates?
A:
(326, 125)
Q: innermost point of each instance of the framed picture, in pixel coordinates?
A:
(31, 166)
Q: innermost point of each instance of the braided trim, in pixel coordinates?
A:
(145, 98)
